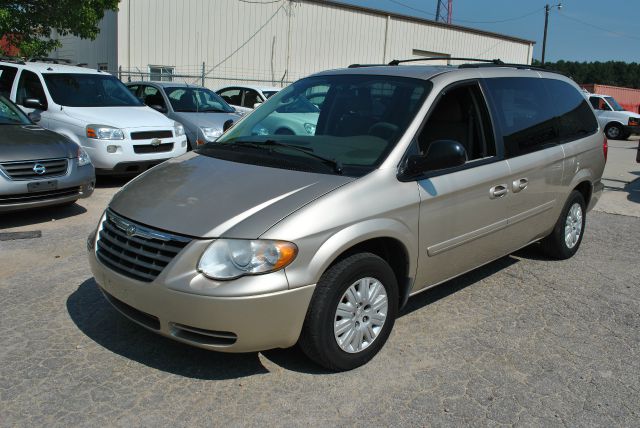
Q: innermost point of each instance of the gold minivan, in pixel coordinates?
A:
(402, 177)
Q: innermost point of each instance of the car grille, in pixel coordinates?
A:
(25, 170)
(136, 251)
(149, 148)
(39, 196)
(147, 135)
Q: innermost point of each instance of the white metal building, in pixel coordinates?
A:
(269, 42)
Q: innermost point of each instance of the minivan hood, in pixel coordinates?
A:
(205, 197)
(31, 142)
(120, 117)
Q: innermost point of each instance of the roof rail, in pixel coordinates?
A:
(445, 58)
(12, 59)
(367, 65)
(518, 66)
(51, 60)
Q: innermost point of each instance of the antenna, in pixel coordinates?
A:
(444, 11)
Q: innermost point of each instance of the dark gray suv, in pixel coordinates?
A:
(39, 167)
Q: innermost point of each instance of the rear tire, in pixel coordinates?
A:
(566, 237)
(351, 314)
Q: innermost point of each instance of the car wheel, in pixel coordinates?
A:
(352, 312)
(613, 131)
(567, 234)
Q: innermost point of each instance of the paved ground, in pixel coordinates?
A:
(523, 341)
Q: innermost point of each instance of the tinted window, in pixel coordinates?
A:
(598, 103)
(29, 86)
(89, 90)
(232, 96)
(191, 100)
(574, 117)
(251, 97)
(461, 115)
(152, 97)
(523, 110)
(10, 115)
(7, 76)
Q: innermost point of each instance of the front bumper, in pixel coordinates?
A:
(634, 130)
(78, 182)
(222, 323)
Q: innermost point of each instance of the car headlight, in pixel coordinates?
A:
(103, 132)
(178, 129)
(83, 157)
(310, 128)
(211, 133)
(228, 259)
(634, 121)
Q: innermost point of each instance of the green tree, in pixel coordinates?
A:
(28, 24)
(615, 73)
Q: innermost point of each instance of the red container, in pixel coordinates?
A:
(626, 97)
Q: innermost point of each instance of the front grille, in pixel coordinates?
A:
(136, 251)
(149, 148)
(39, 196)
(26, 170)
(147, 135)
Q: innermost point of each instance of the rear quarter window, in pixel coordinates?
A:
(574, 117)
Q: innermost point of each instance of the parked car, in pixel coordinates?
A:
(246, 98)
(413, 175)
(39, 167)
(95, 110)
(200, 110)
(618, 123)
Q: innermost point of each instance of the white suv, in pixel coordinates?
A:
(94, 109)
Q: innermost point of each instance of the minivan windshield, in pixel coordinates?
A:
(339, 124)
(614, 104)
(196, 100)
(89, 90)
(10, 114)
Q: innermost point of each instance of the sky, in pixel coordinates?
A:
(583, 30)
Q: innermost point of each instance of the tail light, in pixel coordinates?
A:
(605, 148)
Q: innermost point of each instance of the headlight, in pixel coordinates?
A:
(634, 121)
(178, 129)
(211, 133)
(83, 157)
(310, 128)
(228, 259)
(102, 132)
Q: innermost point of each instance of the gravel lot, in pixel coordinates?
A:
(522, 341)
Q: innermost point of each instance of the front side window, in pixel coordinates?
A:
(89, 90)
(10, 115)
(351, 133)
(196, 100)
(30, 87)
(7, 76)
(232, 96)
(461, 115)
(598, 103)
(251, 98)
(525, 114)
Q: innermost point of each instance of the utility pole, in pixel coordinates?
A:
(547, 8)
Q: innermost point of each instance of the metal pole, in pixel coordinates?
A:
(546, 24)
(438, 11)
(202, 75)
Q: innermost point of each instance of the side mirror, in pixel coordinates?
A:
(256, 105)
(35, 116)
(441, 154)
(159, 108)
(227, 124)
(33, 103)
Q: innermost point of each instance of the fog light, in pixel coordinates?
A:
(184, 143)
(112, 149)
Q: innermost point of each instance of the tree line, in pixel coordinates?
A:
(614, 73)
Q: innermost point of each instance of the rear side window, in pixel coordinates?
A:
(522, 108)
(7, 76)
(575, 119)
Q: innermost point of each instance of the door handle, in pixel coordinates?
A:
(520, 184)
(498, 191)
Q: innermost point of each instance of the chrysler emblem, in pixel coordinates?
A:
(39, 169)
(156, 142)
(131, 230)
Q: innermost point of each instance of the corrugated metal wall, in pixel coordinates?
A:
(278, 42)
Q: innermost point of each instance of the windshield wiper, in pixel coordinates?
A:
(335, 164)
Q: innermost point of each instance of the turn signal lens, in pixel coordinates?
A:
(605, 148)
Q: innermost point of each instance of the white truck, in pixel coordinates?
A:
(618, 123)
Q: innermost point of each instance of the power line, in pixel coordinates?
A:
(571, 18)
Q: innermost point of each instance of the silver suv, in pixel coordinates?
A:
(404, 177)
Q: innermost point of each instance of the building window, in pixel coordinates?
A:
(103, 66)
(161, 73)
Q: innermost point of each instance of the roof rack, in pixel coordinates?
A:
(51, 60)
(518, 66)
(445, 58)
(12, 59)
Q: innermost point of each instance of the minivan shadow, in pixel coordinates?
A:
(39, 215)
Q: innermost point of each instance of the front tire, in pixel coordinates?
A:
(566, 237)
(351, 313)
(614, 132)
